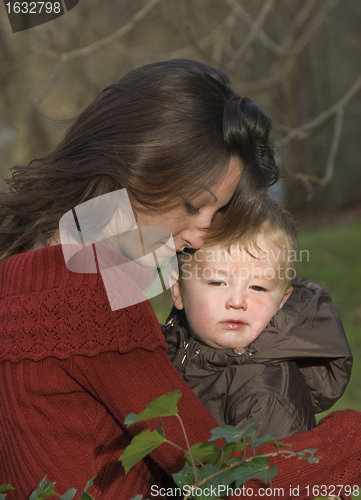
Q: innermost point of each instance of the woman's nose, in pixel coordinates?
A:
(195, 233)
(194, 237)
(237, 299)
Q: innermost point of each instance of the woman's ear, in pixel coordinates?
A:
(177, 296)
(286, 296)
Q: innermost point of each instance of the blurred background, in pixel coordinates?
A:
(299, 60)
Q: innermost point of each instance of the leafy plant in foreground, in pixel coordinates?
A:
(208, 467)
(46, 490)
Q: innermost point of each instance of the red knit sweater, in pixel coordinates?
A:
(71, 370)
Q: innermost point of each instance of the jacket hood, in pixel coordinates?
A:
(307, 330)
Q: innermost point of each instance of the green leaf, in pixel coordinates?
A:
(88, 484)
(313, 460)
(184, 477)
(160, 429)
(202, 474)
(268, 438)
(69, 495)
(141, 445)
(219, 483)
(139, 497)
(310, 450)
(2, 496)
(257, 468)
(230, 448)
(205, 453)
(47, 493)
(279, 444)
(85, 495)
(233, 434)
(43, 491)
(164, 406)
(4, 488)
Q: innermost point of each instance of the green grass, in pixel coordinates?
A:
(333, 259)
(162, 304)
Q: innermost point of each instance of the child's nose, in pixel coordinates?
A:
(237, 299)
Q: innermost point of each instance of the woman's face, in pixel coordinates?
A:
(189, 222)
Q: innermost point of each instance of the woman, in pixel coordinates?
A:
(184, 146)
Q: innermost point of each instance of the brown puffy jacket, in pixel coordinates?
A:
(299, 365)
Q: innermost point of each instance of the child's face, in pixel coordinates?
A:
(230, 299)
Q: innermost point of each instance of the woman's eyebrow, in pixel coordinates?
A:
(206, 195)
(205, 191)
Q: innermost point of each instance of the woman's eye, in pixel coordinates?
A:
(258, 288)
(191, 209)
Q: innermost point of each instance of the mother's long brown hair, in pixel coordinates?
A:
(163, 132)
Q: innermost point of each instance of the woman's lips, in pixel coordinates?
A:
(233, 325)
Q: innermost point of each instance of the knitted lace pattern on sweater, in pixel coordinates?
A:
(48, 311)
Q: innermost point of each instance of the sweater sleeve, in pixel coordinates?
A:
(126, 383)
(338, 440)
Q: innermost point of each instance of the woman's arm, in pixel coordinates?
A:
(126, 383)
(338, 440)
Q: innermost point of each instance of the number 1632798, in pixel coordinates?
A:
(33, 7)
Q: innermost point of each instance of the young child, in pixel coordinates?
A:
(250, 340)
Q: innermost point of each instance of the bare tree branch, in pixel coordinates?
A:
(318, 120)
(261, 35)
(217, 38)
(108, 40)
(287, 64)
(51, 81)
(335, 143)
(222, 36)
(256, 28)
(312, 180)
(300, 19)
(90, 49)
(187, 51)
(312, 26)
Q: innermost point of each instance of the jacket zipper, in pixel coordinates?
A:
(185, 345)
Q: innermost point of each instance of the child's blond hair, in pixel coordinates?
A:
(275, 224)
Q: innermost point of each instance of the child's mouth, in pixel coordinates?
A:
(233, 325)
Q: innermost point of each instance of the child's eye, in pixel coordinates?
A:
(258, 288)
(216, 283)
(191, 209)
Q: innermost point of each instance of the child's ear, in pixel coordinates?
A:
(286, 296)
(177, 296)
